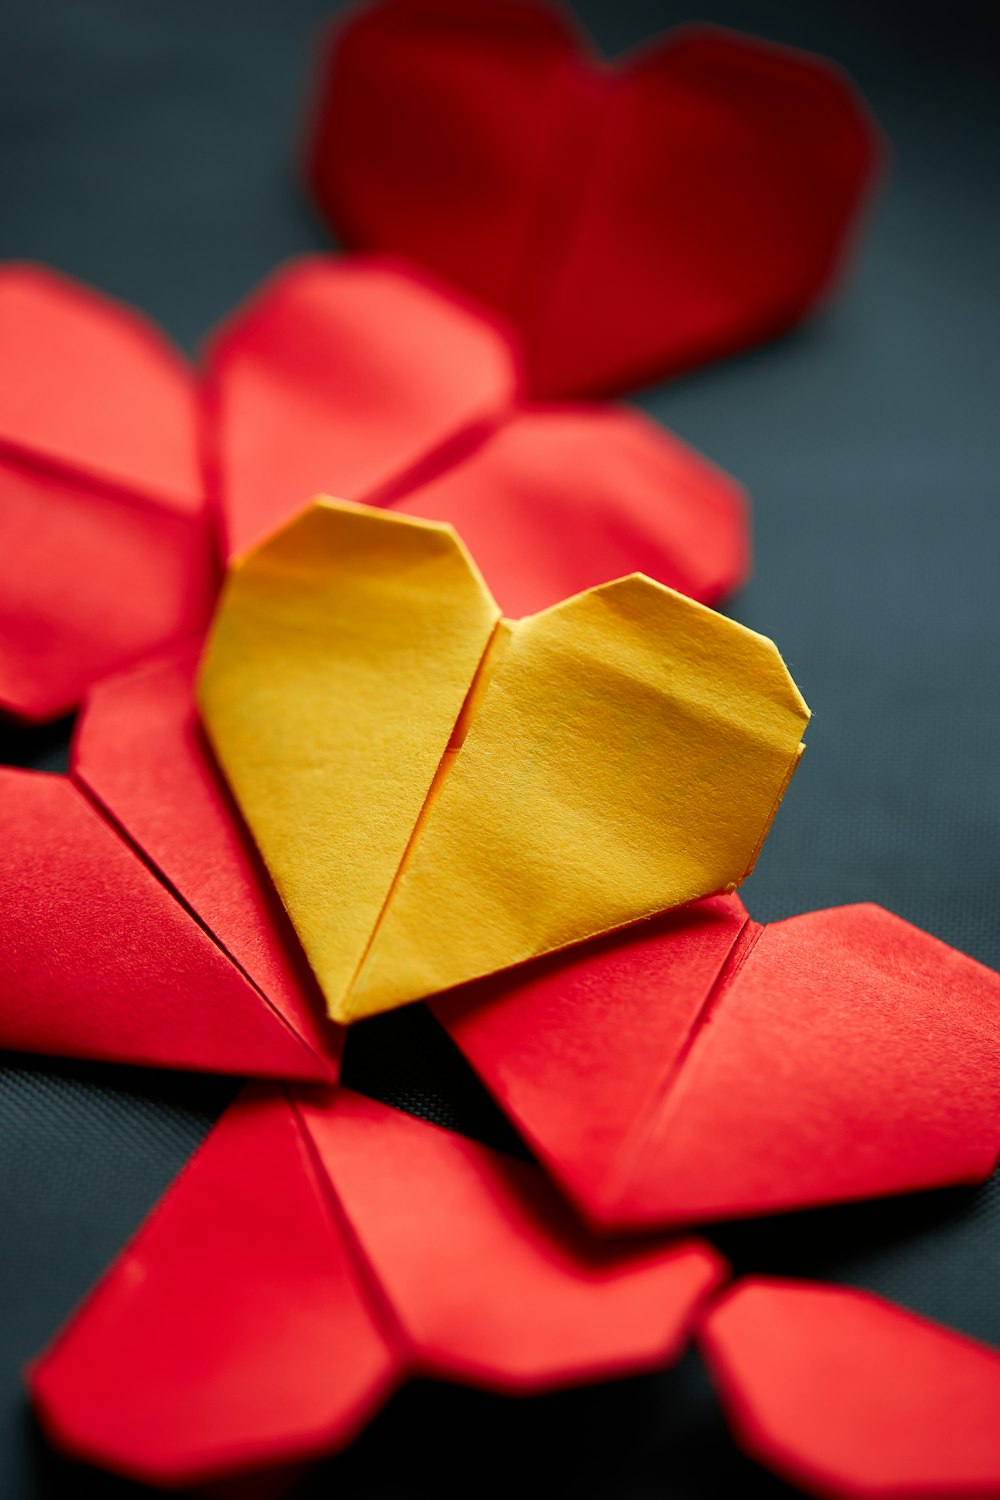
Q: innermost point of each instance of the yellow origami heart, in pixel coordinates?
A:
(440, 793)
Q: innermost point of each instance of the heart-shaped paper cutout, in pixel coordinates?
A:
(315, 1253)
(439, 793)
(323, 380)
(706, 1067)
(351, 376)
(630, 222)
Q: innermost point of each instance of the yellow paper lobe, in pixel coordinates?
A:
(340, 657)
(439, 795)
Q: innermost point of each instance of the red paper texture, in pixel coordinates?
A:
(561, 499)
(100, 961)
(355, 379)
(338, 376)
(702, 1067)
(346, 376)
(850, 1397)
(140, 751)
(314, 1254)
(105, 545)
(631, 222)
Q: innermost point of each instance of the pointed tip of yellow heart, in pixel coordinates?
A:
(340, 1011)
(356, 1006)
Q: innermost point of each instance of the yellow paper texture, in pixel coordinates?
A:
(340, 658)
(439, 796)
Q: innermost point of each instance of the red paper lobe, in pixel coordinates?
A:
(106, 550)
(358, 380)
(139, 749)
(335, 378)
(559, 500)
(475, 103)
(91, 386)
(630, 222)
(233, 1331)
(851, 1055)
(699, 1068)
(315, 1252)
(491, 1280)
(100, 961)
(851, 1397)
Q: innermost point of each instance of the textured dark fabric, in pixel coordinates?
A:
(147, 148)
(40, 747)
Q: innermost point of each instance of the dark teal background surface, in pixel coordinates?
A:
(147, 147)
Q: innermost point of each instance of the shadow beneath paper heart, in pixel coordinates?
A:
(927, 1251)
(659, 1434)
(39, 747)
(406, 1060)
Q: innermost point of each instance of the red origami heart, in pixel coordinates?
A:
(344, 375)
(361, 379)
(630, 222)
(705, 1067)
(317, 1252)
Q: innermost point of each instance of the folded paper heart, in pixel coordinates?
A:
(366, 379)
(629, 221)
(120, 465)
(440, 793)
(315, 1254)
(706, 1067)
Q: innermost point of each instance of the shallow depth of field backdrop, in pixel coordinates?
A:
(148, 148)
